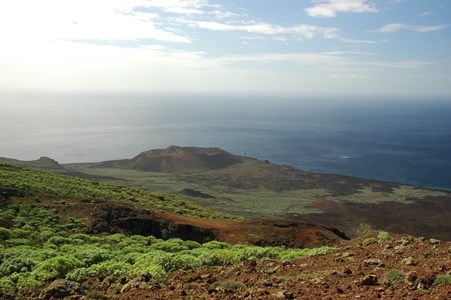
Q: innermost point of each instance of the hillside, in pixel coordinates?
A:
(176, 158)
(254, 188)
(73, 238)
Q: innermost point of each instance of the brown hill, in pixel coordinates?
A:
(176, 158)
(43, 163)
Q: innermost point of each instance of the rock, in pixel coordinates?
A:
(409, 261)
(289, 295)
(61, 288)
(347, 271)
(196, 193)
(141, 282)
(347, 254)
(369, 280)
(434, 241)
(387, 252)
(424, 278)
(406, 240)
(373, 261)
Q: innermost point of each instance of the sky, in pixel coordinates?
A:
(292, 47)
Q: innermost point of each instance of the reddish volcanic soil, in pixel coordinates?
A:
(114, 217)
(264, 232)
(404, 268)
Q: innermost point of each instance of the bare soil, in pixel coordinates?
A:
(403, 268)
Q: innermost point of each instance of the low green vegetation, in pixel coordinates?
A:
(368, 241)
(443, 279)
(54, 185)
(39, 248)
(229, 285)
(384, 236)
(252, 189)
(394, 276)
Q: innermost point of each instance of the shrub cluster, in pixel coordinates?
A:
(51, 250)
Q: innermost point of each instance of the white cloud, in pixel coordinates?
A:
(300, 31)
(405, 64)
(49, 20)
(394, 27)
(329, 8)
(351, 76)
(426, 13)
(314, 58)
(182, 6)
(327, 61)
(367, 42)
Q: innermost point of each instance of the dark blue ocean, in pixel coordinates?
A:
(402, 140)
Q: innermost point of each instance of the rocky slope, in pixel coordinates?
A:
(367, 268)
(254, 188)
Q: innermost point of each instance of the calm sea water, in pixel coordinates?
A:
(401, 141)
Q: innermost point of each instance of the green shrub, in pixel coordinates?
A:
(442, 280)
(384, 235)
(5, 233)
(215, 245)
(191, 244)
(129, 258)
(95, 294)
(56, 267)
(142, 240)
(156, 257)
(394, 276)
(8, 214)
(7, 287)
(368, 241)
(114, 238)
(229, 285)
(16, 265)
(170, 245)
(155, 263)
(255, 253)
(92, 255)
(296, 253)
(182, 261)
(19, 233)
(17, 242)
(44, 235)
(100, 271)
(87, 238)
(59, 240)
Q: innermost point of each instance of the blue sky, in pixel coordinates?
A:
(320, 47)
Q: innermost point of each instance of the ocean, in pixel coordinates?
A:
(401, 140)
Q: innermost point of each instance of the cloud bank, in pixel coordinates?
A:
(330, 8)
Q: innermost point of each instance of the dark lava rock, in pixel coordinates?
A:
(195, 193)
(6, 193)
(369, 280)
(61, 288)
